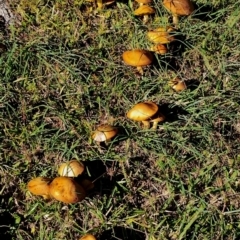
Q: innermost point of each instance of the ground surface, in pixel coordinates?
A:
(62, 75)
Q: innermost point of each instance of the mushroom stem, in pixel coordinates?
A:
(154, 127)
(145, 18)
(140, 70)
(146, 124)
(175, 19)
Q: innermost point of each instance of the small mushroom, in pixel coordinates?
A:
(157, 119)
(88, 237)
(138, 58)
(143, 2)
(143, 112)
(144, 11)
(39, 186)
(177, 84)
(67, 190)
(159, 49)
(71, 169)
(178, 8)
(161, 35)
(104, 133)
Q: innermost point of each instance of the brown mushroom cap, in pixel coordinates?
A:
(179, 7)
(39, 186)
(137, 57)
(71, 169)
(161, 35)
(142, 111)
(88, 237)
(104, 133)
(67, 190)
(144, 10)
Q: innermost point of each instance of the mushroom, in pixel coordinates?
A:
(146, 112)
(67, 190)
(138, 58)
(178, 8)
(88, 237)
(161, 35)
(177, 84)
(71, 169)
(143, 2)
(159, 49)
(104, 133)
(39, 186)
(144, 11)
(158, 118)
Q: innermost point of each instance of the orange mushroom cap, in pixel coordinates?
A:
(159, 49)
(142, 111)
(144, 1)
(144, 10)
(161, 35)
(104, 133)
(39, 186)
(67, 190)
(88, 237)
(137, 57)
(177, 84)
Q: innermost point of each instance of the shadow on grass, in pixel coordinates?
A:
(171, 112)
(121, 233)
(204, 12)
(192, 84)
(6, 221)
(103, 177)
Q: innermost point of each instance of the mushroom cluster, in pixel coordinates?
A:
(64, 188)
(147, 113)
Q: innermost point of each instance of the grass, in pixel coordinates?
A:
(62, 75)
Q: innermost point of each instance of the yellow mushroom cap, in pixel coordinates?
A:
(71, 169)
(67, 190)
(104, 133)
(143, 111)
(88, 237)
(137, 57)
(179, 7)
(144, 1)
(159, 49)
(177, 84)
(161, 35)
(144, 10)
(39, 186)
